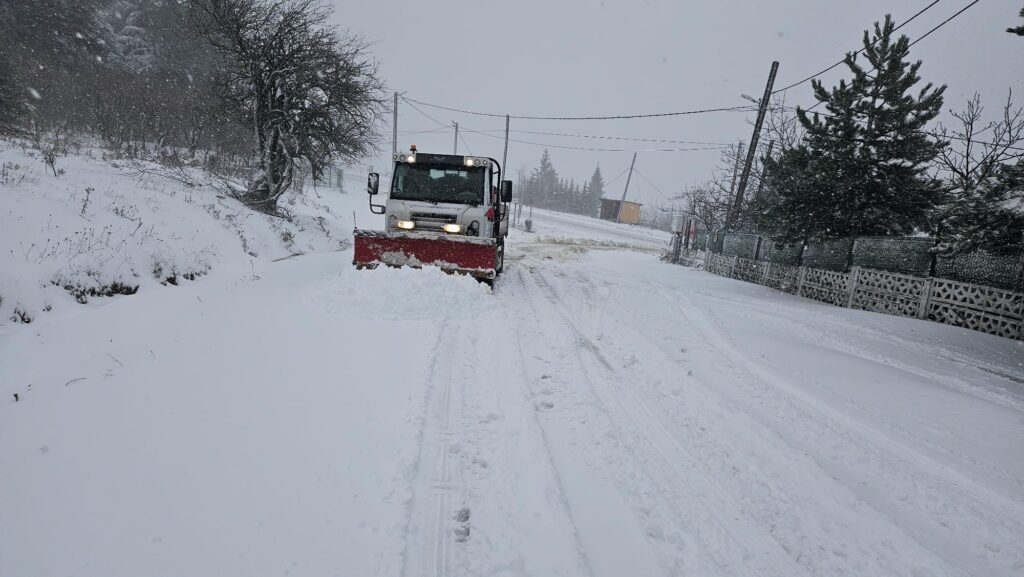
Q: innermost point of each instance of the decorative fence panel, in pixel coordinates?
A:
(782, 277)
(986, 309)
(826, 286)
(889, 293)
(718, 264)
(750, 270)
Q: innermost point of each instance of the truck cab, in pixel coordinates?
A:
(446, 194)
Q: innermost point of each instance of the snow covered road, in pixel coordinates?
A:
(600, 413)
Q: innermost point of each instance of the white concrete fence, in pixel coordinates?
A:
(981, 308)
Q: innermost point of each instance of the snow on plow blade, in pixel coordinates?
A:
(462, 254)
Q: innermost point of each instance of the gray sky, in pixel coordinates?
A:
(576, 57)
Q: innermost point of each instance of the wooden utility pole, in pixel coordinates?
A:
(504, 156)
(764, 170)
(732, 187)
(618, 214)
(735, 171)
(394, 127)
(455, 149)
(762, 109)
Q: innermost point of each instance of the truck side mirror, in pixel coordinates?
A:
(506, 191)
(373, 183)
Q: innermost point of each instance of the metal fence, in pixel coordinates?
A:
(982, 308)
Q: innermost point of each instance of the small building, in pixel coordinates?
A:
(630, 211)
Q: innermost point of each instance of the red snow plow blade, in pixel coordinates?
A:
(469, 255)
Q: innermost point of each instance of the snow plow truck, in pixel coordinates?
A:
(443, 210)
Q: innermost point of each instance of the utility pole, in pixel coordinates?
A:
(762, 109)
(618, 215)
(521, 185)
(456, 124)
(504, 156)
(732, 187)
(736, 170)
(394, 127)
(764, 170)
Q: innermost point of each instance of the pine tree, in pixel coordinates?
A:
(545, 181)
(861, 169)
(1019, 30)
(991, 219)
(595, 192)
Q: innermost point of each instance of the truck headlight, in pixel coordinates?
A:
(406, 224)
(453, 228)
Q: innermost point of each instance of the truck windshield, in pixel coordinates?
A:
(438, 184)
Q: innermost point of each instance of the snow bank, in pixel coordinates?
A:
(106, 228)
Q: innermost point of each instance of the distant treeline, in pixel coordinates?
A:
(544, 188)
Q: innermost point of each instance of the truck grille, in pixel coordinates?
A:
(431, 220)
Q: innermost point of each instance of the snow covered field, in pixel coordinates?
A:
(598, 413)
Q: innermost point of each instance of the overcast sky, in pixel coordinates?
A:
(577, 57)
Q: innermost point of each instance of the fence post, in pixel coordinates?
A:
(854, 274)
(732, 267)
(707, 257)
(767, 268)
(800, 281)
(926, 299)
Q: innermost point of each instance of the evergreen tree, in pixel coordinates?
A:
(545, 181)
(1019, 30)
(991, 219)
(861, 170)
(595, 192)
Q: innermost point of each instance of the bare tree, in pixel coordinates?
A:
(307, 93)
(978, 148)
(709, 203)
(982, 168)
(782, 126)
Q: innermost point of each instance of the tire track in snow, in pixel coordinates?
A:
(731, 455)
(549, 459)
(945, 497)
(835, 332)
(692, 525)
(428, 538)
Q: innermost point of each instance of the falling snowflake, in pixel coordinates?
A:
(34, 93)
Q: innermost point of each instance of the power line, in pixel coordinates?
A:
(601, 137)
(620, 175)
(594, 149)
(944, 22)
(928, 132)
(920, 38)
(429, 117)
(656, 189)
(560, 146)
(463, 139)
(612, 117)
(432, 131)
(832, 67)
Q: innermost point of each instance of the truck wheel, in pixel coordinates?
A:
(501, 259)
